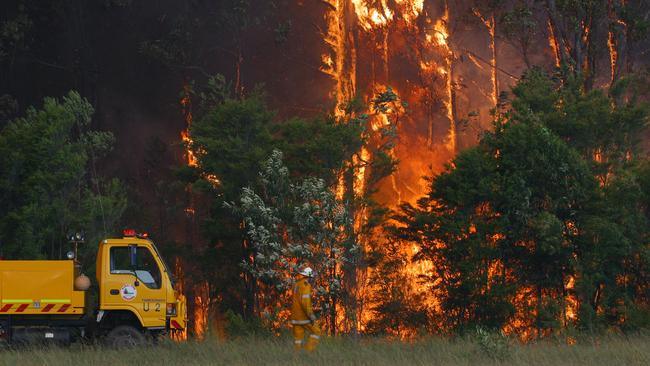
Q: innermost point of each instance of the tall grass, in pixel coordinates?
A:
(345, 351)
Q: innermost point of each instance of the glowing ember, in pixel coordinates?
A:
(213, 179)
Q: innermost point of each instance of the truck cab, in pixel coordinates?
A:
(136, 291)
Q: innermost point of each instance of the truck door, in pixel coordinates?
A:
(135, 282)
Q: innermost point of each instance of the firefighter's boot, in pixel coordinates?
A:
(298, 336)
(314, 336)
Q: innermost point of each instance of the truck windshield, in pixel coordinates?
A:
(145, 268)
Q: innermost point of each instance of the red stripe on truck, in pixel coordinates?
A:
(22, 308)
(64, 307)
(175, 324)
(47, 308)
(6, 308)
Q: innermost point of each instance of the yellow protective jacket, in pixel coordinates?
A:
(301, 310)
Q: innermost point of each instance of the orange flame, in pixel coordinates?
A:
(571, 309)
(371, 18)
(613, 54)
(201, 290)
(442, 34)
(340, 62)
(552, 41)
(179, 335)
(186, 104)
(201, 309)
(189, 155)
(384, 23)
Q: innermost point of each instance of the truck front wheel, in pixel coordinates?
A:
(125, 336)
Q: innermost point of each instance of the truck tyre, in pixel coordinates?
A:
(125, 336)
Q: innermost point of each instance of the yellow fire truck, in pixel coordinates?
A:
(47, 300)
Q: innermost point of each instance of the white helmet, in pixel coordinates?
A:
(307, 272)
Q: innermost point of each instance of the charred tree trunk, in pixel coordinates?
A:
(490, 24)
(250, 285)
(538, 310)
(334, 297)
(558, 32)
(495, 76)
(239, 60)
(577, 36)
(590, 61)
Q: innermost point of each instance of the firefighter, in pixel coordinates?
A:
(302, 313)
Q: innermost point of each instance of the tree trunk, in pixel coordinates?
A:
(495, 76)
(250, 286)
(350, 268)
(558, 33)
(239, 88)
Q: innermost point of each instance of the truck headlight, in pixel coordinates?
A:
(171, 309)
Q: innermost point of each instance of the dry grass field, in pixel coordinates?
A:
(344, 351)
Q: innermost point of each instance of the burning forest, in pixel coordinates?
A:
(443, 166)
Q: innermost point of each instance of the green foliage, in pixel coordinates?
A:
(591, 121)
(8, 108)
(515, 189)
(238, 327)
(290, 225)
(46, 185)
(556, 191)
(14, 33)
(237, 15)
(374, 156)
(318, 147)
(282, 32)
(396, 307)
(519, 23)
(215, 91)
(634, 15)
(232, 139)
(495, 345)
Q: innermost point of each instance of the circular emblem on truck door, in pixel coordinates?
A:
(128, 292)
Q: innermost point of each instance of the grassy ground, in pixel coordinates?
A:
(338, 352)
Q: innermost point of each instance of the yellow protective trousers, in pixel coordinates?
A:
(312, 330)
